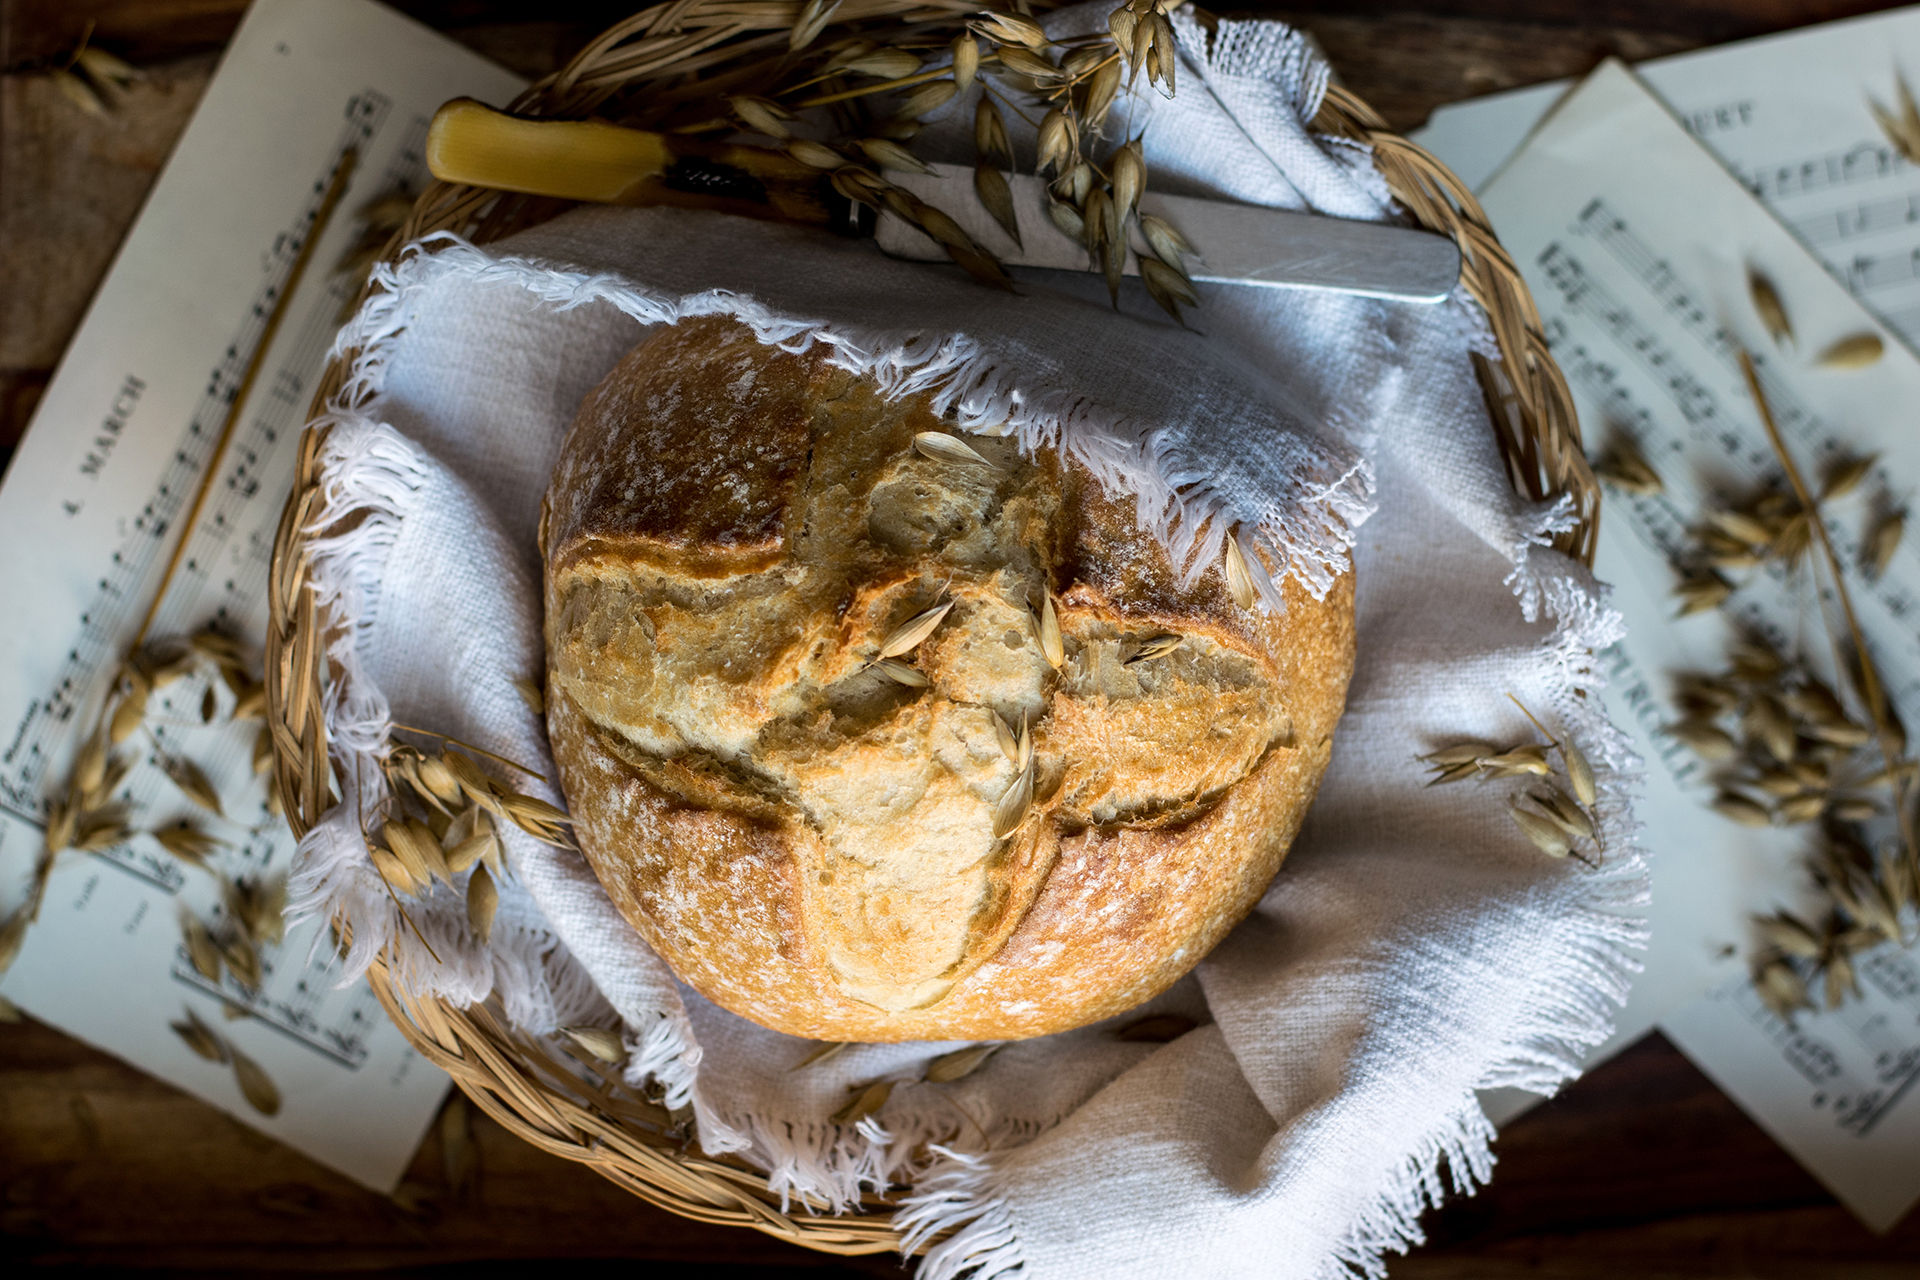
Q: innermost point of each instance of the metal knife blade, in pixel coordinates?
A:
(1236, 243)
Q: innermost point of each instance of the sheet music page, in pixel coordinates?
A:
(1839, 1083)
(1789, 115)
(1636, 245)
(318, 108)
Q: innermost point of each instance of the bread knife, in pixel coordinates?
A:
(1236, 244)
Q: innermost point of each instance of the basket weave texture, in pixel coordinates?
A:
(570, 1104)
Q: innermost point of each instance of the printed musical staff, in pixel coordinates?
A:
(1858, 209)
(1706, 425)
(169, 438)
(221, 577)
(1857, 1061)
(124, 591)
(343, 1037)
(1867, 161)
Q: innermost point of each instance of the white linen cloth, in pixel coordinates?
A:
(1414, 948)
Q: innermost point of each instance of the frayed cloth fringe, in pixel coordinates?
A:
(665, 1054)
(1306, 532)
(956, 1193)
(1571, 1009)
(370, 472)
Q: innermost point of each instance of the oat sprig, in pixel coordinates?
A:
(1156, 647)
(91, 78)
(1046, 628)
(866, 1100)
(1855, 351)
(1014, 803)
(1767, 305)
(600, 1042)
(906, 637)
(88, 815)
(256, 1086)
(1239, 576)
(1627, 469)
(825, 1050)
(1867, 897)
(1783, 747)
(959, 1064)
(882, 91)
(941, 447)
(1891, 738)
(1558, 818)
(440, 822)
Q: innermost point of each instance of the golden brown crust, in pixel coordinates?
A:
(809, 843)
(700, 483)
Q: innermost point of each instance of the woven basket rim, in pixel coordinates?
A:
(571, 1105)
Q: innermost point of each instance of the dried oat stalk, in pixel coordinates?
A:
(1074, 85)
(881, 82)
(90, 813)
(941, 447)
(450, 780)
(1046, 629)
(1855, 351)
(1868, 898)
(1774, 528)
(440, 822)
(1555, 810)
(865, 1102)
(252, 918)
(1626, 468)
(1156, 647)
(822, 1052)
(602, 1043)
(906, 637)
(1781, 746)
(1017, 800)
(91, 78)
(1767, 305)
(959, 1064)
(1786, 748)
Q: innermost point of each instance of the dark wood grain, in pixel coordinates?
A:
(103, 1166)
(1642, 1169)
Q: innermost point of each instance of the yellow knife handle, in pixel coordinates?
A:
(591, 160)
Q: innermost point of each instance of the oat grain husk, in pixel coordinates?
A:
(600, 1042)
(865, 1103)
(201, 1038)
(256, 1086)
(959, 1064)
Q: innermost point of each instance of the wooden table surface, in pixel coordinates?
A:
(1641, 1169)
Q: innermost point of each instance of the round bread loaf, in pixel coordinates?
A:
(732, 535)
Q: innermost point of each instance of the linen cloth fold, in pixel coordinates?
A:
(1414, 948)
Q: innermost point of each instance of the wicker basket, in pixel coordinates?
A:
(571, 1105)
